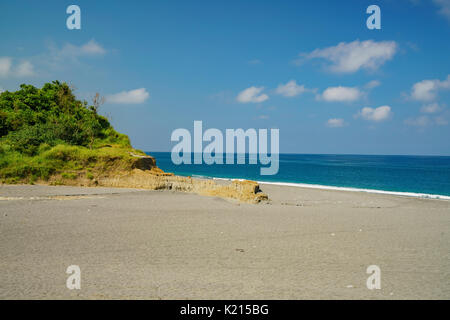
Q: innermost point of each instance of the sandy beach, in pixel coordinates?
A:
(140, 244)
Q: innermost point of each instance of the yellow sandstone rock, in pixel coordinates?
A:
(143, 173)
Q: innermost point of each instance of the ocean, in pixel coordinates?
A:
(419, 176)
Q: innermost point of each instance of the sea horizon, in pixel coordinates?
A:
(335, 154)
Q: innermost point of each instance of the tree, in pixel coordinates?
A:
(97, 101)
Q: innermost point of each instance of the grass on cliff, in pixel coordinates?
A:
(47, 131)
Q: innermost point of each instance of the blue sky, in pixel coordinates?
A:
(310, 68)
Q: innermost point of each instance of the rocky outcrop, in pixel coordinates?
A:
(142, 172)
(246, 191)
(143, 162)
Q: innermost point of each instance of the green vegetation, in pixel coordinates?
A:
(47, 131)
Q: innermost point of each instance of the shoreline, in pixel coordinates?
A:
(424, 196)
(348, 189)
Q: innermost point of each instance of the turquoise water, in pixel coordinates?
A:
(413, 174)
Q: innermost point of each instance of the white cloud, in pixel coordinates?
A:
(335, 123)
(372, 84)
(375, 114)
(70, 54)
(352, 56)
(5, 66)
(129, 97)
(431, 108)
(290, 89)
(441, 121)
(444, 7)
(55, 58)
(1, 90)
(424, 121)
(341, 94)
(252, 94)
(421, 121)
(90, 48)
(23, 69)
(426, 90)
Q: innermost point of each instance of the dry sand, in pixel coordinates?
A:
(138, 244)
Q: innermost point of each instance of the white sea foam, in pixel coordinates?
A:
(396, 193)
(201, 177)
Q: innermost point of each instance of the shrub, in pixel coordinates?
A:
(46, 130)
(50, 114)
(69, 175)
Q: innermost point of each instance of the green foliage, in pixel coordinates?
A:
(47, 130)
(69, 175)
(52, 115)
(15, 167)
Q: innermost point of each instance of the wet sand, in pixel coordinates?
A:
(138, 244)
